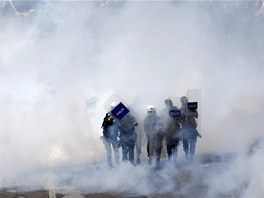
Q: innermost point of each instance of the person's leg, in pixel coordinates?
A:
(131, 153)
(138, 150)
(185, 144)
(193, 142)
(175, 153)
(169, 151)
(116, 152)
(138, 145)
(124, 151)
(108, 153)
(158, 154)
(151, 151)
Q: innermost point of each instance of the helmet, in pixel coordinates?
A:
(184, 99)
(151, 108)
(113, 105)
(168, 102)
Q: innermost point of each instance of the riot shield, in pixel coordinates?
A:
(194, 103)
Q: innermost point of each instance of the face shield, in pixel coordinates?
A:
(151, 109)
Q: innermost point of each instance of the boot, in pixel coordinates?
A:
(158, 163)
(150, 162)
(186, 157)
(138, 160)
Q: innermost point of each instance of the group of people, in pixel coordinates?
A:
(119, 133)
(174, 125)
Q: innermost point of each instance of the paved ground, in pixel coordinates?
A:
(188, 181)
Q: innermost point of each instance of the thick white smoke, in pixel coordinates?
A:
(58, 67)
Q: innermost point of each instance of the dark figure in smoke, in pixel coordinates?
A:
(138, 131)
(138, 144)
(189, 131)
(110, 134)
(128, 137)
(171, 129)
(153, 130)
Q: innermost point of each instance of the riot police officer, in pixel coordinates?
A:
(189, 129)
(153, 131)
(128, 137)
(171, 129)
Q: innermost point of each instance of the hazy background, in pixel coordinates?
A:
(59, 66)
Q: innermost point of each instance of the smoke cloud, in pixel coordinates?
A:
(60, 65)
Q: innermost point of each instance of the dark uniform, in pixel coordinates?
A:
(128, 137)
(171, 129)
(189, 129)
(138, 144)
(110, 134)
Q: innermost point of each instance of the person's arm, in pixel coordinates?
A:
(135, 123)
(195, 114)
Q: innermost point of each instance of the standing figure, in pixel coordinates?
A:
(110, 137)
(189, 131)
(153, 130)
(138, 144)
(139, 131)
(171, 129)
(128, 137)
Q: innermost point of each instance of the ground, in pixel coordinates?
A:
(188, 180)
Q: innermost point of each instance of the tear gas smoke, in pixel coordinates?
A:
(59, 66)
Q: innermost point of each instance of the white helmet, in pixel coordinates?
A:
(113, 105)
(151, 108)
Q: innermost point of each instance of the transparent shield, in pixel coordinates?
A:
(176, 101)
(111, 100)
